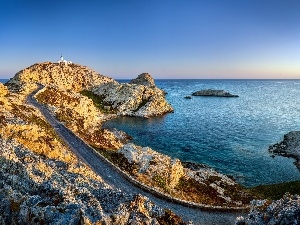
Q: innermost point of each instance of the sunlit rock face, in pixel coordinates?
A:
(3, 90)
(43, 182)
(139, 98)
(72, 77)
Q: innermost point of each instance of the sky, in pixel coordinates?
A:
(170, 39)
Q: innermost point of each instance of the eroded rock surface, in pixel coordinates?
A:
(212, 92)
(283, 211)
(138, 98)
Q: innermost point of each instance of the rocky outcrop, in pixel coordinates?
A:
(215, 93)
(283, 211)
(289, 147)
(194, 183)
(144, 79)
(71, 77)
(133, 99)
(153, 165)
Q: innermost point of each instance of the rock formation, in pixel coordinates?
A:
(215, 93)
(144, 79)
(138, 98)
(196, 184)
(71, 77)
(283, 211)
(289, 147)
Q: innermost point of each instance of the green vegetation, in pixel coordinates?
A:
(276, 191)
(98, 101)
(160, 181)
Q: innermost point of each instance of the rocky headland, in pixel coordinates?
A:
(139, 98)
(43, 181)
(213, 93)
(288, 147)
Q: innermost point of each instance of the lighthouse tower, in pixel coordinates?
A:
(63, 61)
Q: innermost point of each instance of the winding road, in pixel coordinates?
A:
(112, 177)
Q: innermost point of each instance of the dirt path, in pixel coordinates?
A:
(113, 178)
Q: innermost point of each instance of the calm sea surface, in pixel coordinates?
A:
(3, 80)
(231, 135)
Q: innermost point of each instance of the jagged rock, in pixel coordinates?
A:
(283, 211)
(133, 99)
(216, 93)
(289, 147)
(72, 77)
(144, 79)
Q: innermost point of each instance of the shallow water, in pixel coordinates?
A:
(230, 134)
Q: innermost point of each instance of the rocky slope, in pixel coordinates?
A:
(289, 146)
(283, 211)
(42, 182)
(139, 98)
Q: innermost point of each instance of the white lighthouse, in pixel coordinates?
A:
(63, 61)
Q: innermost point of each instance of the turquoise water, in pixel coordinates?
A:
(231, 135)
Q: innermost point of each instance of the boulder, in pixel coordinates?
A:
(215, 93)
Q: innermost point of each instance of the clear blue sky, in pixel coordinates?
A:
(168, 39)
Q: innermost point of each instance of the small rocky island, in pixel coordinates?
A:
(213, 93)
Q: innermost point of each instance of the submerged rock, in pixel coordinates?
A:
(212, 92)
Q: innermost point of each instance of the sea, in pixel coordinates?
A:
(231, 135)
(3, 80)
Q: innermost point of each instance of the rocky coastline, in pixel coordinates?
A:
(63, 187)
(288, 147)
(213, 93)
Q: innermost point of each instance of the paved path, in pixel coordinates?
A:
(114, 179)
